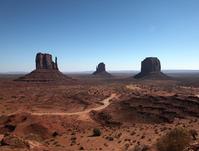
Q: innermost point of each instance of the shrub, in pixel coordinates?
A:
(175, 140)
(109, 138)
(14, 141)
(193, 133)
(96, 132)
(139, 148)
(55, 134)
(81, 148)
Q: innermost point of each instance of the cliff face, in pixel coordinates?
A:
(151, 68)
(44, 61)
(150, 65)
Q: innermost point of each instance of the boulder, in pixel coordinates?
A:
(151, 68)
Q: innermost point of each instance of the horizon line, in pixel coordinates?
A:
(90, 71)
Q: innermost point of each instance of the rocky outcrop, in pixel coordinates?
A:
(101, 70)
(44, 61)
(151, 68)
(46, 70)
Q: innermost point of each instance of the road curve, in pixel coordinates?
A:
(106, 102)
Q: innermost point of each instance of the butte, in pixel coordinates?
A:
(46, 70)
(151, 69)
(101, 71)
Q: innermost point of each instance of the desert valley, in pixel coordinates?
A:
(47, 110)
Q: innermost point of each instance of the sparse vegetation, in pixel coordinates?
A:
(110, 138)
(139, 148)
(175, 140)
(55, 134)
(14, 97)
(133, 133)
(14, 141)
(193, 133)
(81, 148)
(96, 132)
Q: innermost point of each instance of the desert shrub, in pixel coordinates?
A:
(14, 141)
(73, 140)
(55, 134)
(175, 140)
(14, 97)
(10, 127)
(110, 138)
(34, 137)
(96, 132)
(81, 148)
(193, 133)
(139, 148)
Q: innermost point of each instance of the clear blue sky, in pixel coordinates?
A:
(82, 33)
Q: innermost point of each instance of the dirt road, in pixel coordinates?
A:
(106, 102)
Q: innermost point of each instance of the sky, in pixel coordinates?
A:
(82, 33)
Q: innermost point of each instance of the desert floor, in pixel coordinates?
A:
(62, 116)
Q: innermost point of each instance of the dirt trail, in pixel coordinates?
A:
(133, 87)
(106, 102)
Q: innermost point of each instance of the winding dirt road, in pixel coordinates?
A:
(106, 102)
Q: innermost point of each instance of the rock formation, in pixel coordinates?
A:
(151, 68)
(101, 70)
(46, 70)
(150, 65)
(44, 61)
